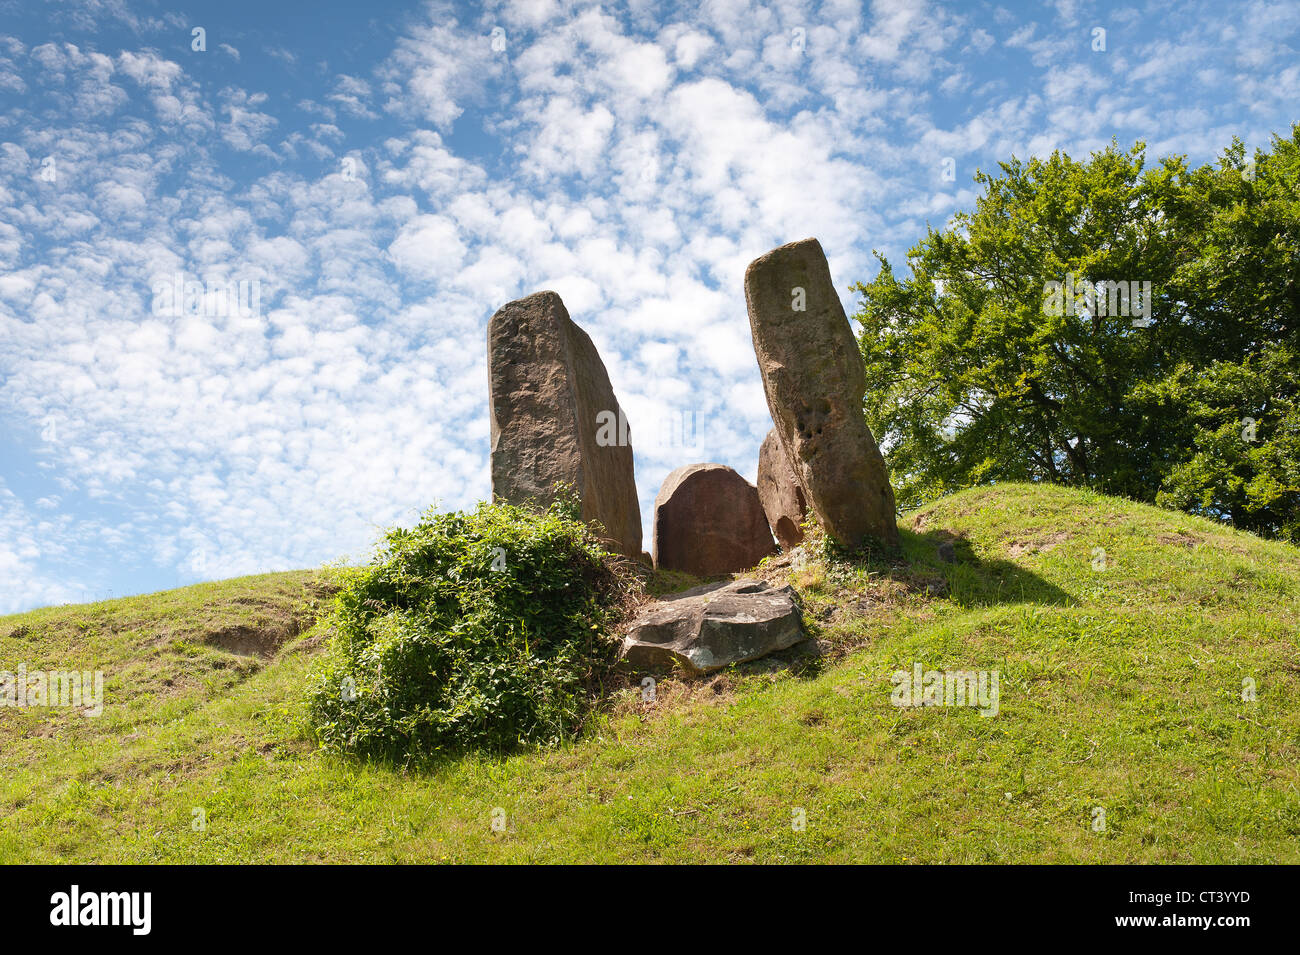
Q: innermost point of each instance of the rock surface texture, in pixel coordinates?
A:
(780, 492)
(555, 419)
(714, 626)
(814, 379)
(708, 520)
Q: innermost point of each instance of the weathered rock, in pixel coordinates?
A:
(814, 379)
(779, 490)
(714, 626)
(555, 418)
(708, 520)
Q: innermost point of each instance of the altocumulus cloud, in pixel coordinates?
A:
(389, 181)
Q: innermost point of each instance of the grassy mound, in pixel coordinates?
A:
(1124, 637)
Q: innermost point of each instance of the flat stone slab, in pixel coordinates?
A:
(713, 627)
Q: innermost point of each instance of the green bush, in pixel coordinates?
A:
(486, 630)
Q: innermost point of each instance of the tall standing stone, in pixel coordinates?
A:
(779, 490)
(815, 382)
(555, 418)
(708, 521)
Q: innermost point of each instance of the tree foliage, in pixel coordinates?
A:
(1192, 403)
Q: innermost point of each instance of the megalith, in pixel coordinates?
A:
(715, 626)
(555, 420)
(708, 520)
(815, 381)
(779, 489)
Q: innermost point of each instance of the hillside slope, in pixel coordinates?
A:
(1121, 633)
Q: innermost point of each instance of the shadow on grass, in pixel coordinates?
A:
(947, 560)
(937, 565)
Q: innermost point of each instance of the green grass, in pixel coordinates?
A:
(1120, 689)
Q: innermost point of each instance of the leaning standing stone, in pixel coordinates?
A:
(815, 381)
(555, 419)
(708, 521)
(779, 490)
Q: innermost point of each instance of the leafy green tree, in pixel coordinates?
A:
(1106, 325)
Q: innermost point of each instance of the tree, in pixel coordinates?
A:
(1102, 324)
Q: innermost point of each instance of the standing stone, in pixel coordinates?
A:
(815, 382)
(708, 520)
(555, 419)
(779, 490)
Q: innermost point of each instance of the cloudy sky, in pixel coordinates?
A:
(378, 178)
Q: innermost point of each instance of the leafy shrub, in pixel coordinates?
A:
(486, 629)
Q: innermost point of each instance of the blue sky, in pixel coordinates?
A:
(387, 175)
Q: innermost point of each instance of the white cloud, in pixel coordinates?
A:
(246, 126)
(428, 248)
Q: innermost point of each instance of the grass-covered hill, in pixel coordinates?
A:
(1121, 689)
